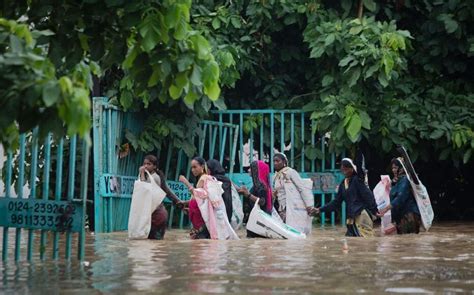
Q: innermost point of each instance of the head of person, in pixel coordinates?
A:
(151, 163)
(348, 167)
(215, 168)
(280, 161)
(260, 173)
(198, 166)
(397, 167)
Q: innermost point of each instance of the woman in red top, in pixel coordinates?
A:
(198, 169)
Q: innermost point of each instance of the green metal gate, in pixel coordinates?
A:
(114, 176)
(53, 172)
(263, 131)
(224, 139)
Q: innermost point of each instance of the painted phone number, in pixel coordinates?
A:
(41, 208)
(41, 220)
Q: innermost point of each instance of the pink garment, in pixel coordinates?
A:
(264, 177)
(201, 194)
(195, 215)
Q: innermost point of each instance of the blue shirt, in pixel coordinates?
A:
(402, 199)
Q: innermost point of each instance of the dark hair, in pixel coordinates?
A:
(215, 167)
(282, 157)
(153, 159)
(200, 160)
(347, 164)
(396, 162)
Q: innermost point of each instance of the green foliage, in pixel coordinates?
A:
(31, 92)
(149, 55)
(398, 74)
(364, 57)
(382, 86)
(259, 48)
(175, 61)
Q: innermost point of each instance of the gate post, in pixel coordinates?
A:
(98, 161)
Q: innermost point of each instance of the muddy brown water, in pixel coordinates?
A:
(439, 261)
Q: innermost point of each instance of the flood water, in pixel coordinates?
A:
(440, 261)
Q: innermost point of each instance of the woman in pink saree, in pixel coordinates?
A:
(207, 209)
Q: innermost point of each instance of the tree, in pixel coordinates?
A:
(31, 93)
(372, 73)
(147, 50)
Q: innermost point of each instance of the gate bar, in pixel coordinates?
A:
(46, 171)
(8, 184)
(20, 183)
(58, 191)
(70, 193)
(33, 172)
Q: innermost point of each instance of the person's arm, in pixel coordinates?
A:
(141, 172)
(262, 200)
(199, 191)
(367, 196)
(166, 189)
(261, 195)
(403, 193)
(306, 194)
(334, 204)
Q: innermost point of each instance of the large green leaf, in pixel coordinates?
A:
(196, 76)
(202, 46)
(150, 31)
(212, 91)
(353, 127)
(175, 92)
(51, 93)
(370, 5)
(173, 15)
(354, 77)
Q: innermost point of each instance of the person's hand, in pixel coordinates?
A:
(142, 169)
(382, 212)
(180, 205)
(313, 211)
(193, 234)
(183, 179)
(244, 191)
(274, 194)
(215, 204)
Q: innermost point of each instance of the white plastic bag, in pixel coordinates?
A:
(424, 204)
(276, 216)
(263, 224)
(382, 198)
(296, 203)
(237, 210)
(422, 200)
(223, 227)
(146, 197)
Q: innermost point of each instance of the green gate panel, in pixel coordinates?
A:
(54, 172)
(224, 139)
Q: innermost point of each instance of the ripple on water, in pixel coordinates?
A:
(441, 259)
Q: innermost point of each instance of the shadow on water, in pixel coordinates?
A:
(441, 261)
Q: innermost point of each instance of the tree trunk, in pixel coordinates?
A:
(360, 9)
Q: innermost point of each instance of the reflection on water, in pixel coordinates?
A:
(441, 261)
